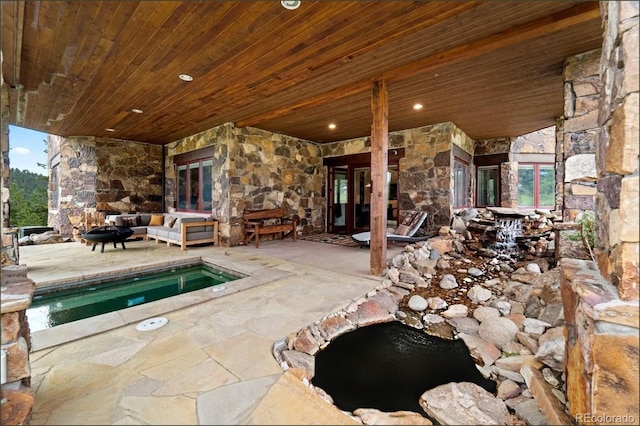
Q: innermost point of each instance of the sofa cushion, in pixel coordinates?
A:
(156, 220)
(166, 232)
(202, 235)
(145, 218)
(139, 230)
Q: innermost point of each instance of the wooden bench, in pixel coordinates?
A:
(270, 221)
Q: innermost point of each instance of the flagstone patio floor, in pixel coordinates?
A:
(212, 363)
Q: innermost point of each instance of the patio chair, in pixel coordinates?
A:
(404, 233)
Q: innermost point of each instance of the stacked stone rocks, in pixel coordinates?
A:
(509, 313)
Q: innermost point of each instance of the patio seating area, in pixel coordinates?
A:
(212, 362)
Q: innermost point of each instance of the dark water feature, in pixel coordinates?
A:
(388, 366)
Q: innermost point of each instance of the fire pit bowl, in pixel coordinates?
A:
(107, 234)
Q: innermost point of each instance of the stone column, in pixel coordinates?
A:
(509, 184)
(618, 184)
(17, 293)
(600, 298)
(580, 132)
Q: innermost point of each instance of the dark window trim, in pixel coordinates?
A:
(394, 155)
(193, 155)
(490, 160)
(198, 156)
(498, 190)
(466, 183)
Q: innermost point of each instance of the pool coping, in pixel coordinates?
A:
(252, 276)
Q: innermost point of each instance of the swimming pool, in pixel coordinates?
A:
(75, 301)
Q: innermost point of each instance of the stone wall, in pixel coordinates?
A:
(509, 184)
(103, 174)
(17, 293)
(542, 141)
(257, 169)
(580, 133)
(268, 170)
(618, 183)
(600, 298)
(492, 146)
(129, 176)
(425, 175)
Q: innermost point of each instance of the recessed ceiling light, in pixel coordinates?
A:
(417, 106)
(291, 4)
(137, 111)
(332, 126)
(110, 130)
(185, 77)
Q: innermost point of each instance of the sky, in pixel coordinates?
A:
(26, 149)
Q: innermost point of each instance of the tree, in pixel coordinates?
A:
(28, 198)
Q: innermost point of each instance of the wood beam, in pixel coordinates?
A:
(549, 24)
(379, 160)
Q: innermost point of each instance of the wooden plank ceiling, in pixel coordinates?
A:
(493, 68)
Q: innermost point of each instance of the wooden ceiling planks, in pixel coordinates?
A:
(469, 52)
(434, 59)
(255, 63)
(12, 18)
(109, 76)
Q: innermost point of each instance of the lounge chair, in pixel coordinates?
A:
(404, 233)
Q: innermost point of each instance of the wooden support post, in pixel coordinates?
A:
(379, 164)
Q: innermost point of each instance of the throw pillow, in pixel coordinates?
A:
(172, 222)
(129, 221)
(156, 220)
(405, 226)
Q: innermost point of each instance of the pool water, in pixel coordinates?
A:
(51, 307)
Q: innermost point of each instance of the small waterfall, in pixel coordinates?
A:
(507, 230)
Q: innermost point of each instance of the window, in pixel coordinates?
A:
(488, 186)
(460, 183)
(536, 185)
(194, 185)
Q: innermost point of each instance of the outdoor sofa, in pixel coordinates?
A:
(182, 229)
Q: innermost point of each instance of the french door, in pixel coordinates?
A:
(349, 198)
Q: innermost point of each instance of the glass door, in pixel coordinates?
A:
(361, 198)
(488, 183)
(339, 199)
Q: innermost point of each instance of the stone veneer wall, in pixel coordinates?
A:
(541, 141)
(617, 156)
(257, 169)
(10, 250)
(425, 175)
(600, 298)
(105, 174)
(17, 293)
(576, 158)
(492, 146)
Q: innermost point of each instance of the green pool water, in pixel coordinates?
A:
(51, 307)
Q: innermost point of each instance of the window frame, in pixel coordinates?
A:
(188, 162)
(479, 186)
(466, 183)
(536, 184)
